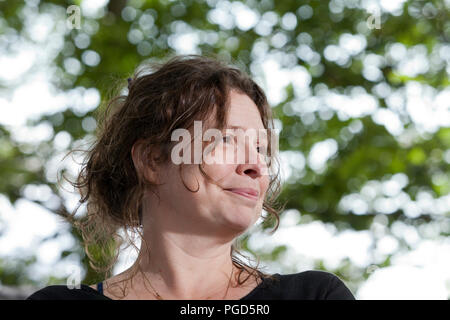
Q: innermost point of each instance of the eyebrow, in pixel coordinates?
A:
(240, 127)
(245, 129)
(236, 127)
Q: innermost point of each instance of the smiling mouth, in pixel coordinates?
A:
(243, 194)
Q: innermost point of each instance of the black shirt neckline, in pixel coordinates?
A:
(247, 296)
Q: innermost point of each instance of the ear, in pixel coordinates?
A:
(143, 161)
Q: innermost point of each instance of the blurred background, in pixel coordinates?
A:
(360, 90)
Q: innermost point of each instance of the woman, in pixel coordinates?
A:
(187, 215)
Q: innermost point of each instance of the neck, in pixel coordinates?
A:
(186, 267)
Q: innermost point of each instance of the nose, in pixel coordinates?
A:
(252, 170)
(252, 166)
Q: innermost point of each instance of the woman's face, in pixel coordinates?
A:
(225, 207)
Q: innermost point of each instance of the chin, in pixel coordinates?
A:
(240, 219)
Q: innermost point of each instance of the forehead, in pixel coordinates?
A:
(243, 112)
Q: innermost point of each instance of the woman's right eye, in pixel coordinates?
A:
(227, 139)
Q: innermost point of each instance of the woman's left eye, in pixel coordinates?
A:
(261, 149)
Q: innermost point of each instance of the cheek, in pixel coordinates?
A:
(177, 181)
(221, 154)
(264, 184)
(218, 171)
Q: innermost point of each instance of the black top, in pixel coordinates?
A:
(307, 285)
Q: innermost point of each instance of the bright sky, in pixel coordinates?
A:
(422, 273)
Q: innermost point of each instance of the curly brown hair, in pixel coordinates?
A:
(162, 96)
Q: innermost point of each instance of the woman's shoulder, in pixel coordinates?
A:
(64, 292)
(311, 285)
(315, 275)
(317, 284)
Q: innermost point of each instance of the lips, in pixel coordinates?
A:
(246, 192)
